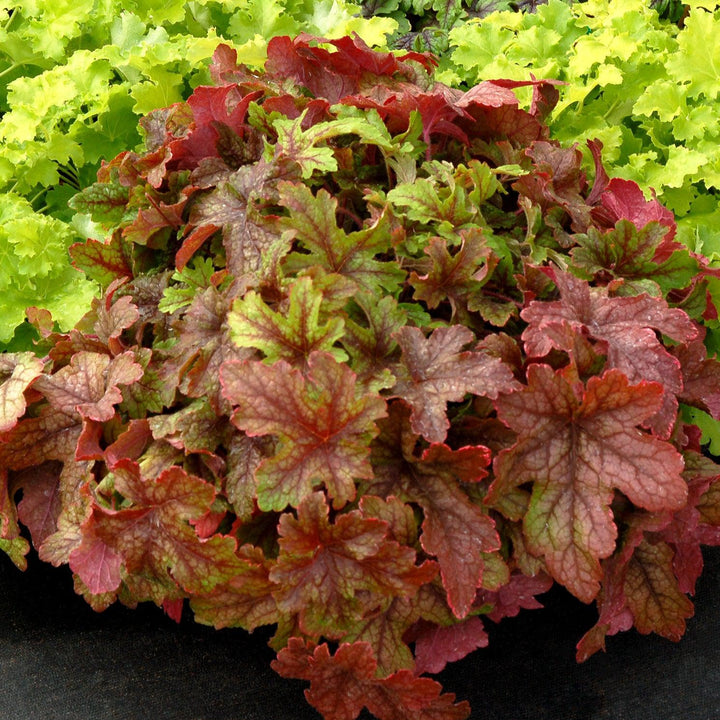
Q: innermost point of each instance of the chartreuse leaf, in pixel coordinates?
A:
(323, 425)
(289, 336)
(575, 446)
(696, 64)
(192, 278)
(35, 268)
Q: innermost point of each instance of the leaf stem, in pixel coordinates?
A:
(10, 68)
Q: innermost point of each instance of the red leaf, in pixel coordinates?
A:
(455, 530)
(577, 444)
(97, 565)
(436, 646)
(334, 75)
(701, 377)
(324, 426)
(518, 594)
(40, 506)
(331, 574)
(342, 684)
(192, 242)
(211, 107)
(435, 372)
(625, 327)
(153, 536)
(557, 179)
(623, 199)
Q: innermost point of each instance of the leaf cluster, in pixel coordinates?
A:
(75, 79)
(376, 364)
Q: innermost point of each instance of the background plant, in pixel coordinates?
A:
(75, 78)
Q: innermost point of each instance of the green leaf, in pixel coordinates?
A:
(291, 335)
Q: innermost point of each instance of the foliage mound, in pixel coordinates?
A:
(375, 364)
(76, 76)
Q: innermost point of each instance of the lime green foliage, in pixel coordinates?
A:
(34, 267)
(646, 88)
(75, 77)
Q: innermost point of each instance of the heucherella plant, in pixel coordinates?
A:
(375, 364)
(76, 76)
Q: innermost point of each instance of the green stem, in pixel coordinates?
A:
(10, 68)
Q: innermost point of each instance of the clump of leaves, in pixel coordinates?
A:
(75, 79)
(423, 25)
(374, 364)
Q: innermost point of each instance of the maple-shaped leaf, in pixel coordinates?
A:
(341, 685)
(576, 444)
(701, 377)
(154, 537)
(435, 371)
(332, 573)
(455, 277)
(425, 201)
(113, 317)
(369, 339)
(454, 529)
(305, 146)
(313, 223)
(203, 345)
(89, 385)
(17, 371)
(247, 235)
(436, 646)
(518, 593)
(626, 257)
(292, 335)
(245, 600)
(324, 426)
(623, 199)
(625, 327)
(557, 180)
